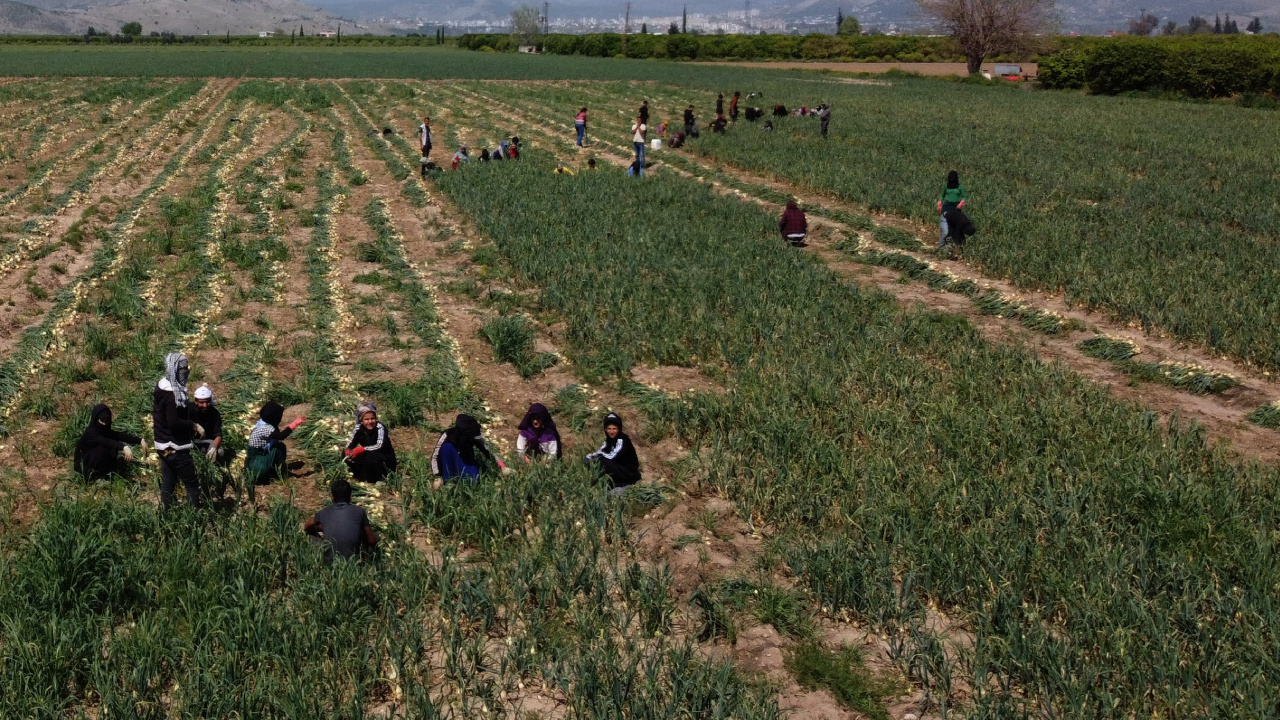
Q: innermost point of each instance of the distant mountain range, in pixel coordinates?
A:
(251, 16)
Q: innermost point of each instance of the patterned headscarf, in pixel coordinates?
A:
(365, 407)
(176, 371)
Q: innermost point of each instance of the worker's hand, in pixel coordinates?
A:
(212, 454)
(199, 430)
(294, 425)
(939, 206)
(961, 204)
(128, 453)
(356, 452)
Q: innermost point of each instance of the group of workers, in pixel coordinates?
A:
(185, 423)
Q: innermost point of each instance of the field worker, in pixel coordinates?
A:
(719, 103)
(824, 116)
(719, 124)
(460, 450)
(677, 139)
(498, 151)
(591, 163)
(175, 429)
(266, 456)
(953, 198)
(959, 227)
(733, 106)
(690, 123)
(369, 454)
(638, 131)
(644, 112)
(484, 155)
(460, 157)
(794, 226)
(562, 170)
(538, 435)
(661, 130)
(207, 416)
(100, 451)
(580, 124)
(343, 527)
(768, 126)
(635, 169)
(424, 139)
(513, 150)
(617, 456)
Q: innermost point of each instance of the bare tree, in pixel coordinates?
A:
(1145, 23)
(987, 27)
(526, 23)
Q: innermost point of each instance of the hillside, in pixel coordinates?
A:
(214, 17)
(20, 18)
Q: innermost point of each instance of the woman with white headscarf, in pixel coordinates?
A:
(175, 430)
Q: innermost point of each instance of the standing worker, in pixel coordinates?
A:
(424, 139)
(733, 106)
(690, 123)
(644, 112)
(719, 103)
(953, 198)
(824, 116)
(638, 132)
(794, 226)
(580, 124)
(175, 430)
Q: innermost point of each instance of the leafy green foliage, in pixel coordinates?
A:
(843, 674)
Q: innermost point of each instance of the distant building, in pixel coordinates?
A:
(265, 33)
(531, 49)
(327, 34)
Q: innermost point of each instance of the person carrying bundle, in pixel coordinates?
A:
(344, 528)
(207, 416)
(265, 459)
(460, 451)
(424, 139)
(616, 457)
(794, 226)
(175, 430)
(538, 435)
(101, 451)
(953, 198)
(369, 455)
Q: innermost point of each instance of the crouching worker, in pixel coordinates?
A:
(102, 451)
(342, 527)
(459, 452)
(175, 431)
(538, 435)
(617, 456)
(266, 457)
(369, 454)
(207, 416)
(794, 225)
(959, 228)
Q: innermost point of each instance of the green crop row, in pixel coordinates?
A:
(903, 461)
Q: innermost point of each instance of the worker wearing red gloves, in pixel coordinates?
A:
(369, 454)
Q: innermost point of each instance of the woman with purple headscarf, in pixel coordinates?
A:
(538, 435)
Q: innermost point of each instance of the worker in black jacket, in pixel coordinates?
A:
(616, 457)
(175, 430)
(101, 450)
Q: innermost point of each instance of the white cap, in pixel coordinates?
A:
(204, 393)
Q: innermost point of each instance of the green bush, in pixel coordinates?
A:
(1201, 67)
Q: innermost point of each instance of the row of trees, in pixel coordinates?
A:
(1146, 24)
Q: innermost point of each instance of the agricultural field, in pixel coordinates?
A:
(875, 485)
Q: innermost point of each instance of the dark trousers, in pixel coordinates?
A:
(618, 475)
(370, 467)
(99, 463)
(175, 466)
(824, 127)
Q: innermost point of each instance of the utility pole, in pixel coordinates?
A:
(546, 15)
(684, 21)
(626, 28)
(746, 17)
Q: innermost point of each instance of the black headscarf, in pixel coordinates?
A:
(465, 438)
(953, 180)
(272, 413)
(100, 412)
(613, 419)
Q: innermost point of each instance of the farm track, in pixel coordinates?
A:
(731, 550)
(1222, 414)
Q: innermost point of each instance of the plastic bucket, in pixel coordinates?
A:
(655, 144)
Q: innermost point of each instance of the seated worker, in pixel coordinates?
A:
(617, 457)
(266, 456)
(794, 226)
(591, 163)
(343, 527)
(459, 452)
(369, 454)
(460, 157)
(538, 435)
(719, 124)
(207, 416)
(562, 170)
(102, 451)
